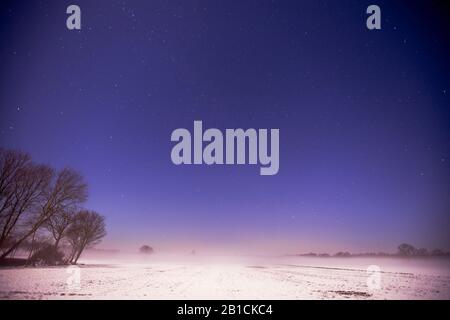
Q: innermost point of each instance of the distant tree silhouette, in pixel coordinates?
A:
(422, 252)
(407, 250)
(146, 249)
(437, 252)
(343, 254)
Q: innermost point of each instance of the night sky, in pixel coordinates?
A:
(364, 116)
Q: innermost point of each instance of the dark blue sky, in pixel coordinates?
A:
(363, 115)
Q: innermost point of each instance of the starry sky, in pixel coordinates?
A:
(364, 116)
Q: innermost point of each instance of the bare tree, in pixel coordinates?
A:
(87, 229)
(12, 164)
(58, 225)
(22, 198)
(55, 193)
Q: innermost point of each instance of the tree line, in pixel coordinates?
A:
(41, 211)
(403, 250)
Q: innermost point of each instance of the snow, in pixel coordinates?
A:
(231, 278)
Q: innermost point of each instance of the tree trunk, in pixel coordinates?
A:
(79, 252)
(31, 247)
(71, 256)
(57, 243)
(78, 256)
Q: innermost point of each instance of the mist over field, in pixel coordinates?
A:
(133, 276)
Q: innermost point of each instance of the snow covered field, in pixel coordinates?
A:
(275, 278)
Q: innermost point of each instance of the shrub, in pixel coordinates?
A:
(146, 249)
(47, 256)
